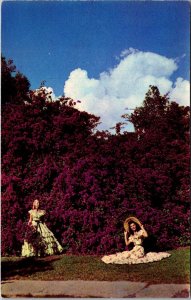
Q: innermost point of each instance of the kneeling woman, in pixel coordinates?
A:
(134, 233)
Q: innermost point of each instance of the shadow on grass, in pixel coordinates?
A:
(24, 267)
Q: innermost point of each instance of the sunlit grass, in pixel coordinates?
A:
(175, 269)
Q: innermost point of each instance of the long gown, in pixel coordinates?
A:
(50, 243)
(136, 255)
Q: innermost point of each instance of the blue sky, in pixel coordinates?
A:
(49, 40)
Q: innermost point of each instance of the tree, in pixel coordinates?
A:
(14, 85)
(88, 181)
(40, 139)
(163, 129)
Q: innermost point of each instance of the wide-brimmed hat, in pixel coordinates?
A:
(131, 219)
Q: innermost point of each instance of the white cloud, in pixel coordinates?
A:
(125, 85)
(127, 52)
(181, 92)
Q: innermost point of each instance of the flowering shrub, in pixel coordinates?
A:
(90, 182)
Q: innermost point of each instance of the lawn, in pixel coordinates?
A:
(175, 269)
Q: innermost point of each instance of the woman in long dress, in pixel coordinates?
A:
(134, 233)
(43, 241)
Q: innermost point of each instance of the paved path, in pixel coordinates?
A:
(87, 289)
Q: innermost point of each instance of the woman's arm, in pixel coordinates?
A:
(144, 233)
(127, 241)
(30, 220)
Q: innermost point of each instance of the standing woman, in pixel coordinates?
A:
(44, 242)
(134, 233)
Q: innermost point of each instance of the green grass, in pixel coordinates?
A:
(175, 269)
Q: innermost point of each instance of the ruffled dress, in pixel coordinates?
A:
(50, 244)
(136, 255)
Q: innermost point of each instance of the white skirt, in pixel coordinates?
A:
(135, 256)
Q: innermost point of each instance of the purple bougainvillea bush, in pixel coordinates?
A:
(88, 181)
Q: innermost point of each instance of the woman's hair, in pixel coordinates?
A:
(34, 202)
(137, 227)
